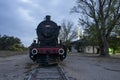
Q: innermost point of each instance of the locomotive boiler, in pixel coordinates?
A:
(47, 50)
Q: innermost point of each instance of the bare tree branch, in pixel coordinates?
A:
(68, 32)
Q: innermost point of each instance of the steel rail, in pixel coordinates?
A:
(48, 73)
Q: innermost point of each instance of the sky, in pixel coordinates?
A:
(20, 18)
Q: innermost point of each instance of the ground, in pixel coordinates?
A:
(91, 67)
(76, 65)
(13, 67)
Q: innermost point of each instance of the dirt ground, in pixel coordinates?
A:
(14, 67)
(92, 67)
(78, 66)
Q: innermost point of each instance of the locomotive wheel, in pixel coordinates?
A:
(32, 57)
(62, 57)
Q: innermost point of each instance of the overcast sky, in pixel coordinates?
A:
(20, 18)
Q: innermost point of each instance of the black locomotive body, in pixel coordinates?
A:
(47, 49)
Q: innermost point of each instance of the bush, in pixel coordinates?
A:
(10, 43)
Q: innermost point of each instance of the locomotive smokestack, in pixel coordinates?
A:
(48, 18)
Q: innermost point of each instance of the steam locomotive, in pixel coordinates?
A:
(47, 50)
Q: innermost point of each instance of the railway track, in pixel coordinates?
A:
(48, 73)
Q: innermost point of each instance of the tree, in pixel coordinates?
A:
(68, 32)
(104, 14)
(91, 37)
(117, 29)
(114, 43)
(10, 43)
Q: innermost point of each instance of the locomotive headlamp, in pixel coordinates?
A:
(61, 51)
(34, 51)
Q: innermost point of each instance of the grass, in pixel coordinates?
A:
(11, 53)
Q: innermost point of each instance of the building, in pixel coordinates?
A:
(82, 46)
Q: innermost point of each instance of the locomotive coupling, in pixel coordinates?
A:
(61, 51)
(34, 51)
